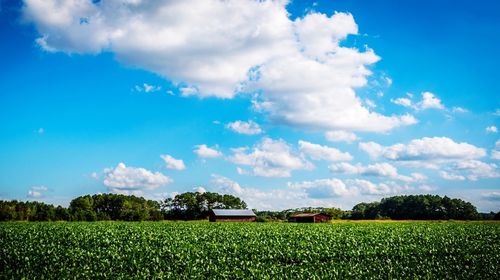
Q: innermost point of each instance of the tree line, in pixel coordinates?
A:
(117, 207)
(196, 206)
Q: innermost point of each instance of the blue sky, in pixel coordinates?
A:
(306, 103)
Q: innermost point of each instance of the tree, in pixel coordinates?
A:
(114, 207)
(416, 207)
(497, 216)
(196, 205)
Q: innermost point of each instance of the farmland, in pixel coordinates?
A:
(186, 250)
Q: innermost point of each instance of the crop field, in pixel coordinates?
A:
(202, 250)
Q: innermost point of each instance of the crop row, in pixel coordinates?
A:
(201, 250)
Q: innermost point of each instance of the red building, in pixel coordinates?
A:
(308, 218)
(231, 215)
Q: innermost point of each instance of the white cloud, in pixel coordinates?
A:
(241, 127)
(370, 103)
(321, 192)
(203, 151)
(322, 188)
(451, 177)
(427, 188)
(475, 169)
(459, 110)
(132, 180)
(491, 129)
(388, 81)
(494, 196)
(340, 136)
(303, 74)
(173, 163)
(37, 191)
(429, 101)
(226, 185)
(319, 152)
(405, 102)
(424, 149)
(376, 169)
(327, 188)
(211, 47)
(261, 199)
(200, 190)
(368, 187)
(188, 91)
(495, 154)
(147, 88)
(270, 158)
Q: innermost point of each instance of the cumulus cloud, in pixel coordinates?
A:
(173, 163)
(428, 101)
(493, 196)
(302, 74)
(147, 88)
(455, 161)
(226, 185)
(203, 151)
(260, 199)
(459, 110)
(200, 190)
(37, 191)
(241, 127)
(320, 192)
(403, 101)
(475, 169)
(132, 180)
(426, 149)
(495, 154)
(319, 152)
(269, 158)
(322, 188)
(376, 169)
(491, 129)
(451, 177)
(327, 188)
(340, 136)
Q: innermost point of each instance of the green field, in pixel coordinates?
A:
(186, 250)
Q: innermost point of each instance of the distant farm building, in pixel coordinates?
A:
(231, 215)
(308, 218)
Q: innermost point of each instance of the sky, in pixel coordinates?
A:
(284, 104)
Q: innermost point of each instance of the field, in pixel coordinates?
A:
(201, 250)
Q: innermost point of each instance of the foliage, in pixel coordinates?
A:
(84, 208)
(114, 207)
(202, 250)
(30, 211)
(196, 205)
(416, 207)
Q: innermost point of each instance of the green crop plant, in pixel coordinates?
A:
(201, 250)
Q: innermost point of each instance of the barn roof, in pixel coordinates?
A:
(234, 212)
(298, 215)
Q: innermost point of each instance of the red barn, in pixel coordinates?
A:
(308, 218)
(231, 215)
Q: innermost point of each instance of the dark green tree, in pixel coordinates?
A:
(196, 205)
